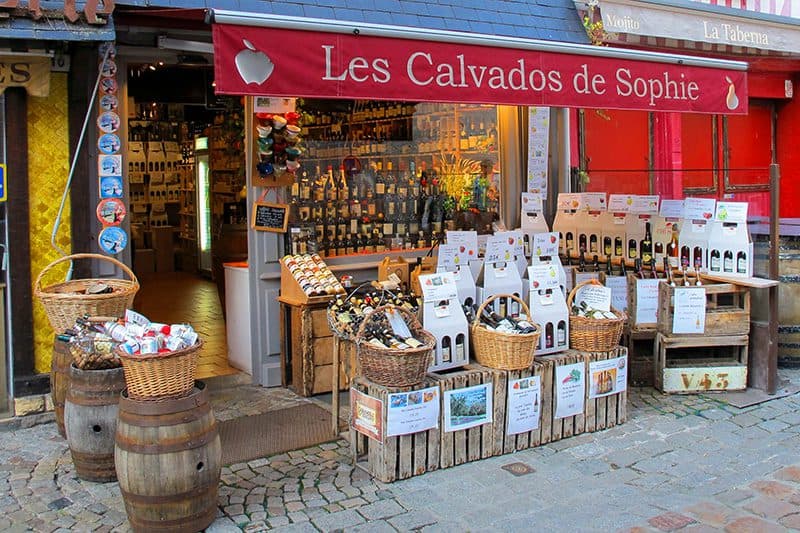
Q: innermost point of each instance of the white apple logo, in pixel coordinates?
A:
(253, 66)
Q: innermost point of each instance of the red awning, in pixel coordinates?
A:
(275, 61)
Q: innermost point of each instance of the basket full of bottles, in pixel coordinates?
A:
(392, 347)
(345, 314)
(90, 345)
(504, 342)
(593, 330)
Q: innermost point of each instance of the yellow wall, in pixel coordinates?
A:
(48, 168)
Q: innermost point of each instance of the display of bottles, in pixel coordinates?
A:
(646, 245)
(505, 324)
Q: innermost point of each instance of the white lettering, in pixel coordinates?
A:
(655, 89)
(497, 78)
(410, 68)
(477, 79)
(358, 63)
(584, 85)
(519, 72)
(328, 76)
(382, 74)
(446, 75)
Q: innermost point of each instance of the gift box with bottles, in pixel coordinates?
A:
(547, 299)
(443, 316)
(568, 206)
(639, 228)
(695, 233)
(500, 275)
(532, 219)
(590, 223)
(666, 229)
(730, 249)
(614, 225)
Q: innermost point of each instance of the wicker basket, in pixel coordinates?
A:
(160, 376)
(504, 351)
(64, 303)
(594, 334)
(394, 367)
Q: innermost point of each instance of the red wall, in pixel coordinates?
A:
(789, 156)
(617, 150)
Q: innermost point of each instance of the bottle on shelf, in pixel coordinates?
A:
(714, 261)
(561, 333)
(646, 245)
(741, 262)
(727, 261)
(672, 248)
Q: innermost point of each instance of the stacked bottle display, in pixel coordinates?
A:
(336, 213)
(350, 312)
(313, 275)
(496, 322)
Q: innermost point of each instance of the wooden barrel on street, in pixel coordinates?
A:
(168, 458)
(788, 293)
(59, 380)
(90, 419)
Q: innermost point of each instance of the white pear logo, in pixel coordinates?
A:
(253, 65)
(732, 101)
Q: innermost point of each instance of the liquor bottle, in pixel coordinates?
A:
(570, 242)
(646, 246)
(622, 270)
(653, 269)
(521, 325)
(637, 268)
(343, 189)
(502, 306)
(697, 256)
(391, 181)
(581, 263)
(461, 352)
(618, 251)
(596, 263)
(658, 251)
(668, 272)
(714, 261)
(380, 245)
(350, 244)
(548, 335)
(727, 261)
(608, 266)
(561, 333)
(672, 248)
(582, 243)
(607, 247)
(741, 262)
(632, 248)
(593, 243)
(447, 355)
(686, 281)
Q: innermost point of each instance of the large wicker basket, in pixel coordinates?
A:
(65, 302)
(160, 376)
(394, 367)
(594, 334)
(504, 351)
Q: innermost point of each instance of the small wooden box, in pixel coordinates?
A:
(394, 265)
(727, 309)
(398, 457)
(461, 446)
(689, 364)
(633, 292)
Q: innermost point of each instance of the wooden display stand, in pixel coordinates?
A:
(307, 340)
(397, 457)
(687, 364)
(727, 309)
(640, 355)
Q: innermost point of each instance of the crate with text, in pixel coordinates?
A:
(714, 309)
(688, 364)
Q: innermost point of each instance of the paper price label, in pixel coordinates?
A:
(568, 202)
(438, 287)
(514, 239)
(447, 257)
(543, 276)
(699, 208)
(620, 203)
(467, 242)
(593, 201)
(441, 311)
(498, 249)
(732, 212)
(671, 209)
(532, 203)
(690, 310)
(645, 204)
(545, 244)
(595, 296)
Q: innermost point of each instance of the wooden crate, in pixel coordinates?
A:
(529, 439)
(458, 447)
(632, 308)
(607, 411)
(553, 428)
(688, 364)
(398, 457)
(639, 344)
(727, 309)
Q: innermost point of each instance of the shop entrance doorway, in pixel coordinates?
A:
(187, 201)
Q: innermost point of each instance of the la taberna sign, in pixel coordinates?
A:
(286, 62)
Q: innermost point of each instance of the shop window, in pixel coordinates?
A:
(392, 175)
(615, 146)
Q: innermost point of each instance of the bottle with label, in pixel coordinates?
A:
(609, 272)
(548, 335)
(447, 355)
(593, 243)
(570, 242)
(632, 249)
(637, 268)
(697, 256)
(461, 354)
(727, 261)
(672, 248)
(582, 243)
(581, 263)
(607, 247)
(658, 250)
(686, 258)
(596, 263)
(622, 269)
(741, 262)
(668, 272)
(715, 261)
(646, 246)
(618, 251)
(561, 333)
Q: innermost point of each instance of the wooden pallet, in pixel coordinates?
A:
(560, 428)
(727, 309)
(541, 435)
(398, 457)
(607, 411)
(458, 447)
(689, 364)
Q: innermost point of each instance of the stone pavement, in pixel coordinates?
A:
(689, 463)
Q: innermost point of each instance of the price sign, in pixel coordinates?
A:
(645, 204)
(593, 201)
(498, 249)
(671, 208)
(699, 208)
(531, 203)
(467, 242)
(438, 287)
(446, 259)
(545, 244)
(595, 296)
(270, 217)
(568, 201)
(620, 203)
(543, 276)
(732, 212)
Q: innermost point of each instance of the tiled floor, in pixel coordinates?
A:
(178, 297)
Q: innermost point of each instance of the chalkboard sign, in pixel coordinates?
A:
(270, 217)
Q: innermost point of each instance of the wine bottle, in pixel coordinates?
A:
(582, 243)
(622, 269)
(581, 263)
(570, 242)
(548, 335)
(447, 355)
(714, 262)
(672, 248)
(461, 353)
(653, 269)
(632, 249)
(608, 266)
(637, 268)
(593, 244)
(741, 262)
(596, 263)
(521, 325)
(727, 261)
(561, 333)
(618, 251)
(697, 256)
(646, 246)
(607, 248)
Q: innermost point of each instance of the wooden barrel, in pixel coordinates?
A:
(90, 419)
(788, 294)
(59, 380)
(168, 457)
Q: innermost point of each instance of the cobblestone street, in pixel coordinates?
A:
(689, 463)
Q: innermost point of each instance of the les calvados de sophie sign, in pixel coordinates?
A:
(277, 62)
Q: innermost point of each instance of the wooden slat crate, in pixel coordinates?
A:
(607, 411)
(529, 439)
(639, 344)
(398, 457)
(458, 447)
(727, 309)
(553, 428)
(689, 364)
